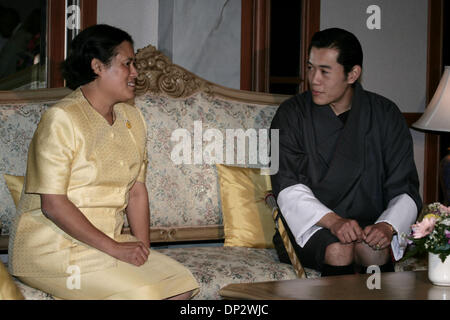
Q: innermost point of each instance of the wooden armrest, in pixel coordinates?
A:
(279, 224)
(4, 243)
(163, 235)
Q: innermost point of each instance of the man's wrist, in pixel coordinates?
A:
(392, 229)
(393, 232)
(328, 220)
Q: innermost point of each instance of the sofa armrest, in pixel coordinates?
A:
(4, 243)
(272, 203)
(165, 235)
(183, 234)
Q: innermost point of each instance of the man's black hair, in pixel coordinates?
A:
(345, 42)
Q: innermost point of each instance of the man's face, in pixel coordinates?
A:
(326, 77)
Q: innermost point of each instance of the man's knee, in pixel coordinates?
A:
(338, 254)
(366, 256)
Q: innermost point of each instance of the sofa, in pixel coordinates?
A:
(212, 218)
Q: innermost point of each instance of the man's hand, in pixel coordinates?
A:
(378, 236)
(346, 230)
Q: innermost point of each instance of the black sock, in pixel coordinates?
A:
(329, 270)
(387, 267)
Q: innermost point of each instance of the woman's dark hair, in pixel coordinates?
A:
(98, 41)
(348, 46)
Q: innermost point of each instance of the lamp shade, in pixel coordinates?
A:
(437, 115)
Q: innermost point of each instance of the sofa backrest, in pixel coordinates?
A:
(182, 112)
(20, 112)
(184, 197)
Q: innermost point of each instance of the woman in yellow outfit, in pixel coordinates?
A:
(86, 169)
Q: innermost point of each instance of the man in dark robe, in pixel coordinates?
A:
(347, 184)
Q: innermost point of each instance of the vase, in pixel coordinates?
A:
(438, 271)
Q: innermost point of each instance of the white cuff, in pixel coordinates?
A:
(401, 213)
(301, 210)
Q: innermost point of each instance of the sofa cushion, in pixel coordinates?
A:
(247, 218)
(215, 267)
(15, 186)
(30, 293)
(24, 291)
(187, 194)
(8, 289)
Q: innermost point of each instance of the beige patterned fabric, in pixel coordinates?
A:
(17, 125)
(180, 195)
(77, 153)
(187, 194)
(215, 267)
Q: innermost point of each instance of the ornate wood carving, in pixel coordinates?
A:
(157, 74)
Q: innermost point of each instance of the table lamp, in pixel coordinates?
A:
(437, 118)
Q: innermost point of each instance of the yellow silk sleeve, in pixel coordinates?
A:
(143, 171)
(50, 154)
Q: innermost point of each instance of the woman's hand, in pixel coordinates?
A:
(138, 213)
(71, 220)
(131, 252)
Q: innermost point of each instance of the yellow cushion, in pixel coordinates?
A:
(15, 185)
(8, 289)
(246, 217)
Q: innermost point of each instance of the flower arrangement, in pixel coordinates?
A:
(432, 232)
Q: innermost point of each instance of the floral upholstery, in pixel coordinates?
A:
(17, 125)
(187, 194)
(215, 267)
(180, 195)
(30, 293)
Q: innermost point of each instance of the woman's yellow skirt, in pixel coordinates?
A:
(160, 277)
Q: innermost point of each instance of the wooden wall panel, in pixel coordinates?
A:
(56, 13)
(255, 41)
(434, 73)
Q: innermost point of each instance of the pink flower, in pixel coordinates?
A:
(447, 235)
(423, 228)
(444, 209)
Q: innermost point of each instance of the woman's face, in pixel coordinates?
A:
(118, 79)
